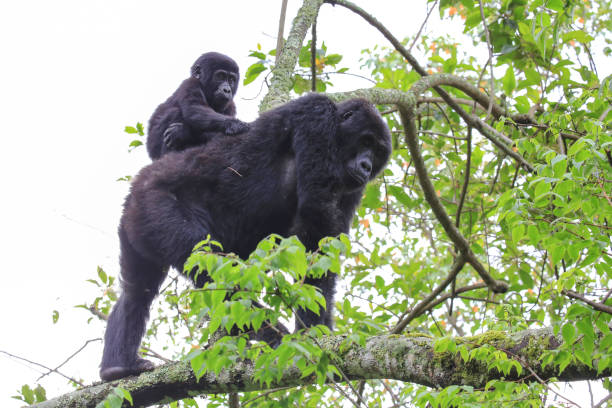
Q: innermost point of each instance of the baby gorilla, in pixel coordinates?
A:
(301, 169)
(201, 107)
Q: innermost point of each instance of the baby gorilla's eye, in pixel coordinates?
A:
(347, 115)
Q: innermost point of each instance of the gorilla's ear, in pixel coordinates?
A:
(196, 71)
(347, 115)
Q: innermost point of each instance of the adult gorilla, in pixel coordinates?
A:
(201, 106)
(301, 169)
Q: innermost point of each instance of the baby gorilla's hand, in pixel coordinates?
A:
(235, 127)
(174, 136)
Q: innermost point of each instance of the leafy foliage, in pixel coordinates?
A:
(302, 77)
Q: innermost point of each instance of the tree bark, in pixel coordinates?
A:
(405, 357)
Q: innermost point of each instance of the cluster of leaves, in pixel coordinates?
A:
(302, 77)
(137, 130)
(102, 304)
(231, 303)
(31, 396)
(116, 399)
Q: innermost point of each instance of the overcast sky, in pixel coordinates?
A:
(73, 74)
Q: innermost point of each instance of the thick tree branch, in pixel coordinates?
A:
(430, 195)
(280, 83)
(408, 358)
(501, 141)
(406, 102)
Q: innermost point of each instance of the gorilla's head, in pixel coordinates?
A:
(218, 75)
(364, 142)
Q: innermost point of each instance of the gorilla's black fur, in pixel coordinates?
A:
(201, 107)
(301, 169)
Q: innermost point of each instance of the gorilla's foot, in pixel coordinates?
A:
(116, 372)
(273, 335)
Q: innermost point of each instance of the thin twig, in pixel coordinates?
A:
(431, 132)
(68, 359)
(595, 305)
(422, 306)
(418, 34)
(281, 30)
(466, 181)
(264, 394)
(313, 55)
(446, 296)
(490, 61)
(603, 401)
(43, 366)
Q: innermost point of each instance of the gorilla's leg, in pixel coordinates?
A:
(140, 281)
(271, 334)
(307, 318)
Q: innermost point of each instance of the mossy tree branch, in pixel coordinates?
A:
(409, 358)
(280, 83)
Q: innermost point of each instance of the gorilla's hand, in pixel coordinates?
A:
(174, 136)
(235, 127)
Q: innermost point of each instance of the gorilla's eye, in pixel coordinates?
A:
(347, 115)
(367, 142)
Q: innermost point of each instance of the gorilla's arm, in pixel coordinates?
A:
(198, 114)
(321, 208)
(317, 168)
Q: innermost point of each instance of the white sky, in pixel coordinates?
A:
(72, 75)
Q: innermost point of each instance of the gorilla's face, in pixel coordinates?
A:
(364, 142)
(218, 76)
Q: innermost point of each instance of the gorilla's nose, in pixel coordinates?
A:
(365, 165)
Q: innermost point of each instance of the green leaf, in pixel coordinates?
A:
(556, 253)
(556, 5)
(568, 331)
(102, 275)
(577, 35)
(258, 54)
(526, 278)
(253, 72)
(401, 196)
(509, 81)
(533, 76)
(197, 364)
(517, 233)
(124, 394)
(55, 316)
(585, 327)
(333, 59)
